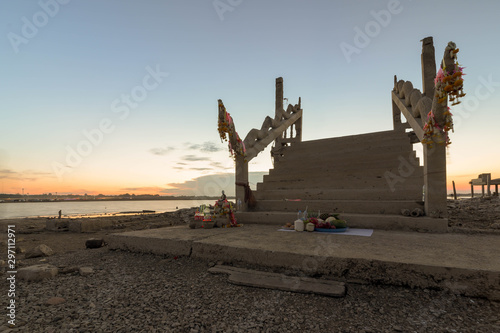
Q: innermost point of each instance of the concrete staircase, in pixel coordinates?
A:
(368, 178)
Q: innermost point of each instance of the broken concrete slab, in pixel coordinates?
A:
(56, 224)
(443, 261)
(267, 280)
(41, 250)
(37, 272)
(172, 241)
(88, 225)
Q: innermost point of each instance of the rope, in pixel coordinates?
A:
(249, 197)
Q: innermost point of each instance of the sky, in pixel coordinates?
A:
(120, 96)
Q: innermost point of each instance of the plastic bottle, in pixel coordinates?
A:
(299, 215)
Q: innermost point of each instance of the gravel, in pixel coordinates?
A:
(130, 292)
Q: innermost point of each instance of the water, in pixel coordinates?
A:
(75, 208)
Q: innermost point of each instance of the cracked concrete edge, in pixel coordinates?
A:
(456, 280)
(466, 282)
(149, 245)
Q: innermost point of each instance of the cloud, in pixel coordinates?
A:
(211, 185)
(38, 173)
(161, 151)
(219, 165)
(200, 169)
(205, 147)
(145, 189)
(194, 158)
(26, 175)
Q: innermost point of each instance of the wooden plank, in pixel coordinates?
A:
(259, 279)
(409, 117)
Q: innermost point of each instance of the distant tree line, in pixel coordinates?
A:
(86, 197)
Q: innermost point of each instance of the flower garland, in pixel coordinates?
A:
(447, 84)
(450, 83)
(225, 208)
(224, 127)
(434, 133)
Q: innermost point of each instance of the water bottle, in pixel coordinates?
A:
(299, 215)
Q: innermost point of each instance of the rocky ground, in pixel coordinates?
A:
(130, 292)
(475, 215)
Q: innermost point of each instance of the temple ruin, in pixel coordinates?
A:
(374, 180)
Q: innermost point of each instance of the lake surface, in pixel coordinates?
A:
(75, 208)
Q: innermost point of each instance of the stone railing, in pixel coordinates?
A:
(428, 116)
(272, 129)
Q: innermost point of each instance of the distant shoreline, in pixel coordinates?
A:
(112, 199)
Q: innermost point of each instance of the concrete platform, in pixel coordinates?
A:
(463, 264)
(363, 221)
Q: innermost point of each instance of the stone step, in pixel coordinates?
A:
(354, 141)
(352, 163)
(340, 206)
(406, 193)
(303, 148)
(375, 169)
(403, 170)
(364, 221)
(333, 181)
(334, 155)
(332, 173)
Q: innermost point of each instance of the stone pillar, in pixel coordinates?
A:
(435, 180)
(241, 176)
(277, 116)
(435, 157)
(279, 98)
(298, 125)
(428, 67)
